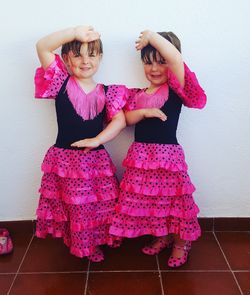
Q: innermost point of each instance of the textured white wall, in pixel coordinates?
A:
(216, 45)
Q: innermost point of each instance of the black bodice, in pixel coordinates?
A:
(71, 126)
(153, 130)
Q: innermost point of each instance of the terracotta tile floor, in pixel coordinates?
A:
(219, 264)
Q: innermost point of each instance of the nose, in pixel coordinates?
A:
(154, 66)
(85, 58)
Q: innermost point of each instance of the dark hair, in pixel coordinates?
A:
(75, 47)
(149, 52)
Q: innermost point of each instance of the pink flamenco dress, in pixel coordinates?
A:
(156, 191)
(78, 190)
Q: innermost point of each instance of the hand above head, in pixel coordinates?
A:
(86, 34)
(154, 113)
(88, 144)
(143, 40)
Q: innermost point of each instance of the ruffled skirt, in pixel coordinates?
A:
(156, 194)
(78, 195)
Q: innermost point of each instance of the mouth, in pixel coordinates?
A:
(85, 68)
(156, 76)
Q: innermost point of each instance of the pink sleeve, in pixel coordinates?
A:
(48, 82)
(116, 97)
(192, 95)
(131, 101)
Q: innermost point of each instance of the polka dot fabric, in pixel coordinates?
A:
(156, 191)
(156, 194)
(116, 97)
(192, 95)
(77, 164)
(78, 195)
(153, 156)
(48, 82)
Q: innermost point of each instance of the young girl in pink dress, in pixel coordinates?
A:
(156, 191)
(78, 189)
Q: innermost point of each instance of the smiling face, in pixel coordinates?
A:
(83, 65)
(82, 59)
(155, 69)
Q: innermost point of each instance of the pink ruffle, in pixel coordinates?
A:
(77, 174)
(155, 191)
(78, 200)
(48, 82)
(75, 226)
(157, 212)
(159, 206)
(155, 156)
(80, 244)
(116, 99)
(131, 227)
(192, 94)
(154, 165)
(157, 233)
(79, 217)
(77, 164)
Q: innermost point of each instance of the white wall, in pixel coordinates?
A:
(216, 45)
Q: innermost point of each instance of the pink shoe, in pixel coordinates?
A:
(157, 245)
(6, 245)
(177, 262)
(98, 256)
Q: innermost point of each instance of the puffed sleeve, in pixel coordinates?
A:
(116, 97)
(48, 82)
(131, 99)
(192, 95)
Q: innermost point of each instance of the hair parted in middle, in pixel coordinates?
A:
(149, 53)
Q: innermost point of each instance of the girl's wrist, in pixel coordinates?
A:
(98, 140)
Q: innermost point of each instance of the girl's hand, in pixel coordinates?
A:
(154, 113)
(88, 144)
(86, 34)
(143, 40)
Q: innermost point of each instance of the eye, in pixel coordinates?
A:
(147, 63)
(92, 54)
(162, 62)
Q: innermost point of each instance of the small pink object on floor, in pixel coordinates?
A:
(6, 245)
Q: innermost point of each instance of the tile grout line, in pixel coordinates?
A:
(235, 279)
(159, 271)
(21, 264)
(87, 279)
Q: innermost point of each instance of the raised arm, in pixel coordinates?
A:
(166, 49)
(46, 46)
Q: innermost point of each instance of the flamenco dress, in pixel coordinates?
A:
(78, 190)
(156, 190)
